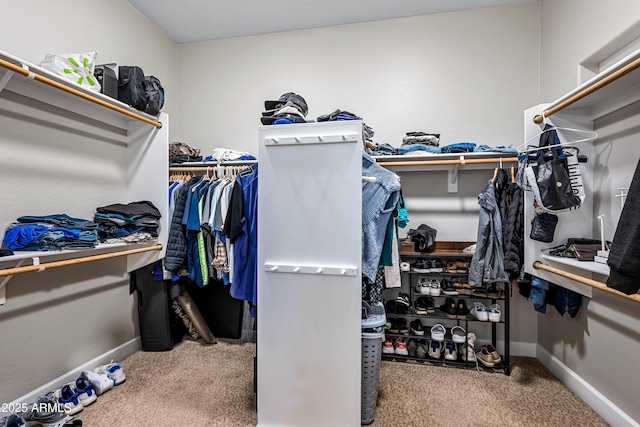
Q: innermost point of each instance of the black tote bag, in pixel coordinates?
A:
(552, 176)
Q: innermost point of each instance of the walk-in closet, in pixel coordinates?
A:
(319, 214)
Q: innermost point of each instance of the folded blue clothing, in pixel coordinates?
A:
(459, 147)
(419, 147)
(62, 220)
(27, 236)
(383, 149)
(498, 149)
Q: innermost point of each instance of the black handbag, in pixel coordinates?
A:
(543, 227)
(552, 176)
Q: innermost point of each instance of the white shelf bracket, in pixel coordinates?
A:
(453, 179)
(5, 281)
(5, 79)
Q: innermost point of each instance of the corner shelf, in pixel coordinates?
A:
(591, 266)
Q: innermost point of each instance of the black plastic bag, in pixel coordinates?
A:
(424, 238)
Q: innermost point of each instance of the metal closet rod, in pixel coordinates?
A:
(539, 118)
(30, 74)
(448, 162)
(67, 262)
(589, 282)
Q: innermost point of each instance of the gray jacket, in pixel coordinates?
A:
(487, 264)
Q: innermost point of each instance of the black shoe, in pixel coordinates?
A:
(402, 299)
(431, 305)
(450, 309)
(447, 288)
(402, 326)
(461, 309)
(447, 302)
(416, 327)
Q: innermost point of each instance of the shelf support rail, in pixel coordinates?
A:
(8, 273)
(539, 118)
(585, 281)
(24, 70)
(460, 161)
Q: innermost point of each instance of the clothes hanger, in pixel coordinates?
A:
(526, 148)
(495, 172)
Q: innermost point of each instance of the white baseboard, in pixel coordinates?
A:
(119, 353)
(585, 391)
(523, 349)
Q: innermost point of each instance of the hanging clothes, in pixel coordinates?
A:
(487, 264)
(624, 256)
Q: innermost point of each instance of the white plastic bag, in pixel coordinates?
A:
(77, 67)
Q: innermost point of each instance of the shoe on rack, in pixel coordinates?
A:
(431, 305)
(450, 310)
(412, 347)
(480, 292)
(434, 288)
(13, 420)
(461, 309)
(402, 300)
(479, 311)
(450, 266)
(447, 288)
(437, 332)
(68, 398)
(435, 349)
(387, 347)
(471, 339)
(401, 347)
(494, 353)
(402, 326)
(423, 287)
(416, 327)
(44, 413)
(450, 351)
(447, 301)
(494, 313)
(462, 266)
(421, 351)
(436, 266)
(458, 334)
(467, 353)
(493, 291)
(420, 306)
(405, 266)
(422, 266)
(484, 357)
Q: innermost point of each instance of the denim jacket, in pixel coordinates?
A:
(487, 264)
(379, 200)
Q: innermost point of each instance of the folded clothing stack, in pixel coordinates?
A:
(50, 232)
(133, 222)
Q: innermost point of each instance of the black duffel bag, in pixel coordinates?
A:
(144, 93)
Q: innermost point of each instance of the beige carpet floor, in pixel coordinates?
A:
(196, 385)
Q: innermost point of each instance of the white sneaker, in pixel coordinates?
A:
(113, 370)
(68, 399)
(435, 349)
(450, 352)
(401, 347)
(458, 334)
(494, 313)
(434, 288)
(467, 353)
(471, 339)
(86, 394)
(437, 332)
(423, 287)
(479, 311)
(100, 382)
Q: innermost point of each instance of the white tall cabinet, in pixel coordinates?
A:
(309, 275)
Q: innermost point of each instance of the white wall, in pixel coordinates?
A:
(467, 75)
(600, 344)
(57, 320)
